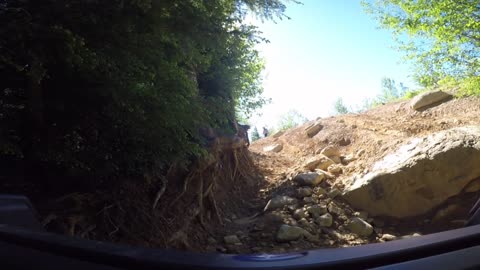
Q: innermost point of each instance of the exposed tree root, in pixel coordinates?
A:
(160, 192)
(185, 187)
(217, 212)
(166, 217)
(229, 165)
(200, 201)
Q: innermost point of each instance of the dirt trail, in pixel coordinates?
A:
(236, 221)
(377, 132)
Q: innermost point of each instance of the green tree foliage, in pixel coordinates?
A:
(441, 36)
(339, 107)
(106, 88)
(255, 134)
(390, 91)
(289, 120)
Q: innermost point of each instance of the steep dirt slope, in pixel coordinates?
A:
(375, 133)
(378, 132)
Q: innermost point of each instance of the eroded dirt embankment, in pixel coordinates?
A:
(361, 140)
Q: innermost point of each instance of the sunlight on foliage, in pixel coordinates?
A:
(108, 88)
(289, 120)
(339, 107)
(442, 37)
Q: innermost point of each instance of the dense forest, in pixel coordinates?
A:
(99, 97)
(92, 91)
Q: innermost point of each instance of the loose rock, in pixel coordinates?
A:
(334, 209)
(388, 237)
(313, 129)
(231, 239)
(304, 223)
(410, 236)
(309, 179)
(330, 151)
(336, 159)
(288, 233)
(324, 162)
(299, 214)
(325, 220)
(304, 192)
(361, 214)
(360, 153)
(334, 193)
(318, 162)
(310, 237)
(335, 169)
(279, 202)
(308, 200)
(360, 227)
(273, 148)
(319, 191)
(317, 210)
(327, 174)
(348, 159)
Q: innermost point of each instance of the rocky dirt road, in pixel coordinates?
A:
(307, 169)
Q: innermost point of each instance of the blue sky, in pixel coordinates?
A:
(329, 49)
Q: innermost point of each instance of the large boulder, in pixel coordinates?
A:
(420, 175)
(429, 99)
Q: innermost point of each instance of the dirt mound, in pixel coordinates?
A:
(376, 133)
(362, 139)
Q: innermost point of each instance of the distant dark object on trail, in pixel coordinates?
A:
(265, 132)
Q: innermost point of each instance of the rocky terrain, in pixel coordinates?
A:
(399, 170)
